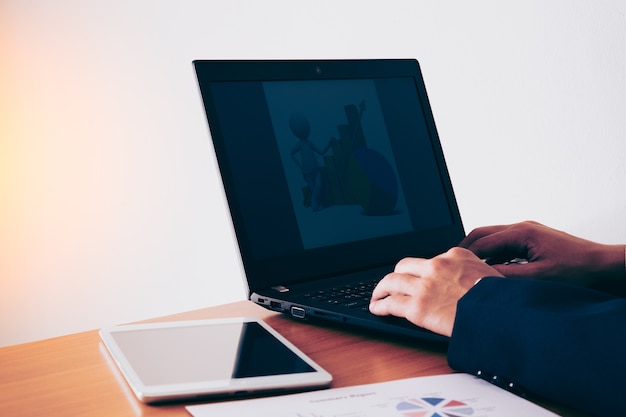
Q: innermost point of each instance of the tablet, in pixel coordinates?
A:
(203, 358)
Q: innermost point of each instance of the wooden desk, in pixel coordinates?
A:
(73, 375)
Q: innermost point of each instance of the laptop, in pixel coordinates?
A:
(333, 171)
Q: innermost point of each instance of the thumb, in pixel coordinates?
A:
(513, 270)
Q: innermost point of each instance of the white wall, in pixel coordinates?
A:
(111, 206)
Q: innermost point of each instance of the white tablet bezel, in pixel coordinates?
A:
(319, 378)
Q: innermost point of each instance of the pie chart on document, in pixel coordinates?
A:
(433, 407)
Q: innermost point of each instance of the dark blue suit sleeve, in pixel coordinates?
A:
(561, 342)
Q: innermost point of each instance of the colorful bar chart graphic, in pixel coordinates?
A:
(434, 407)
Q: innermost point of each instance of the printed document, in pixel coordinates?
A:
(455, 395)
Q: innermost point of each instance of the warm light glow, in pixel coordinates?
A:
(104, 191)
(58, 165)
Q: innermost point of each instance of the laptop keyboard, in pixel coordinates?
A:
(353, 296)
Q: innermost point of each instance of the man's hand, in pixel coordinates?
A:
(550, 253)
(426, 291)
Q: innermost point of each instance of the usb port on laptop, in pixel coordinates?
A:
(298, 312)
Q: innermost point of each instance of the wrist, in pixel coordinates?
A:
(612, 258)
(611, 271)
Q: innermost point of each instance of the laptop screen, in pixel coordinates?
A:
(328, 167)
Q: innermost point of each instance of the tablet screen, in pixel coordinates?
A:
(175, 355)
(163, 361)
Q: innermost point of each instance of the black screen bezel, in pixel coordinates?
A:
(323, 262)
